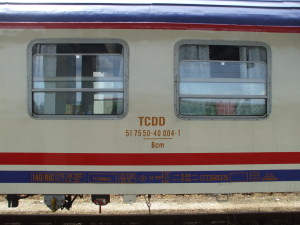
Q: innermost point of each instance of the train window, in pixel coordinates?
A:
(222, 80)
(78, 79)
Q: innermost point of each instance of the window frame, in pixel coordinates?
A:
(30, 87)
(221, 43)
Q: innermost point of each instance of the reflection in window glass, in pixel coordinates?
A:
(219, 88)
(78, 79)
(219, 80)
(78, 103)
(222, 107)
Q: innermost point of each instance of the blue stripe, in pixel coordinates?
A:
(141, 177)
(231, 15)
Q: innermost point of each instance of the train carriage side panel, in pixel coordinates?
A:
(149, 149)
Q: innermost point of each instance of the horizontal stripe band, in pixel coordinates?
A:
(154, 26)
(148, 159)
(141, 177)
(152, 13)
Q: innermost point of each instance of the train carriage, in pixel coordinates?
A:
(149, 97)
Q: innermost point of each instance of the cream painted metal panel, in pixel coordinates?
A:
(151, 93)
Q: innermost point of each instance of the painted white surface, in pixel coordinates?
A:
(151, 93)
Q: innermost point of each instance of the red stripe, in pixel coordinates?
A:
(148, 159)
(162, 26)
